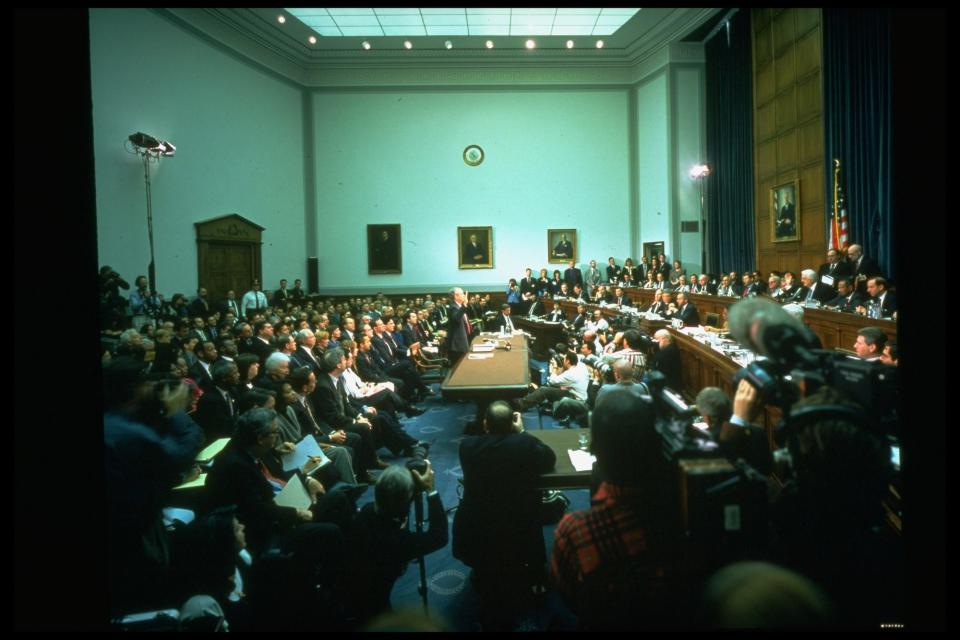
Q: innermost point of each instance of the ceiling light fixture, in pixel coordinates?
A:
(408, 44)
(448, 44)
(489, 44)
(312, 40)
(281, 19)
(569, 44)
(365, 45)
(599, 44)
(530, 44)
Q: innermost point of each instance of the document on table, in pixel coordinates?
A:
(581, 460)
(479, 356)
(483, 348)
(305, 449)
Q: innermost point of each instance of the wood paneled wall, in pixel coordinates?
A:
(788, 132)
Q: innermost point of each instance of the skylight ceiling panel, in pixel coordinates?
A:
(573, 30)
(396, 12)
(527, 30)
(409, 30)
(611, 20)
(400, 21)
(578, 21)
(317, 21)
(448, 30)
(578, 12)
(535, 11)
(439, 11)
(490, 30)
(362, 31)
(619, 11)
(605, 30)
(358, 21)
(517, 20)
(488, 12)
(350, 11)
(488, 20)
(446, 19)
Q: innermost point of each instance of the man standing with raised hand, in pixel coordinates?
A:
(458, 326)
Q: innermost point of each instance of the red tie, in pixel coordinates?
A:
(466, 324)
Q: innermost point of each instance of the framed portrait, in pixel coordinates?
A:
(561, 245)
(383, 249)
(475, 247)
(785, 212)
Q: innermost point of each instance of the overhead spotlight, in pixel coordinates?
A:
(599, 44)
(530, 44)
(166, 148)
(489, 44)
(448, 44)
(569, 44)
(698, 171)
(365, 45)
(281, 19)
(408, 44)
(312, 39)
(143, 141)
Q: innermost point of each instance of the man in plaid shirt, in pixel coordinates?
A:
(616, 557)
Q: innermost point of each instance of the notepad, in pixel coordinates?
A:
(211, 451)
(483, 348)
(305, 449)
(294, 494)
(479, 356)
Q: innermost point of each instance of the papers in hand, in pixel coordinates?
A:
(305, 449)
(211, 451)
(581, 460)
(199, 482)
(294, 494)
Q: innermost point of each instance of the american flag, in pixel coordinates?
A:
(838, 215)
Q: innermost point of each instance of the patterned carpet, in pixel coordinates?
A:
(452, 600)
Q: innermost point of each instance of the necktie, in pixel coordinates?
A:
(306, 405)
(256, 294)
(277, 482)
(226, 396)
(341, 393)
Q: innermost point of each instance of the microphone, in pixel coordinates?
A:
(770, 331)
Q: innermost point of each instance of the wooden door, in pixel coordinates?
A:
(228, 255)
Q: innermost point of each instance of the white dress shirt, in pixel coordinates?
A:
(576, 379)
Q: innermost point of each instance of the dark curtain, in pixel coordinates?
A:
(858, 127)
(729, 101)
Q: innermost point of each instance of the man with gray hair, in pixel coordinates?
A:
(303, 356)
(458, 326)
(667, 359)
(384, 544)
(275, 372)
(812, 289)
(626, 377)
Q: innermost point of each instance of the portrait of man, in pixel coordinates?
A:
(561, 245)
(475, 247)
(383, 248)
(784, 212)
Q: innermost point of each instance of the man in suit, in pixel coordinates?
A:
(666, 359)
(557, 314)
(395, 359)
(474, 252)
(297, 294)
(773, 289)
(230, 305)
(613, 271)
(835, 267)
(333, 407)
(528, 291)
(200, 371)
(749, 286)
(847, 299)
(458, 326)
(497, 529)
(725, 289)
(503, 320)
(217, 408)
(813, 289)
(537, 308)
(580, 318)
(304, 356)
(877, 290)
(262, 342)
(621, 298)
(573, 276)
(239, 477)
(564, 249)
(687, 311)
(372, 369)
(786, 223)
(704, 287)
(200, 307)
(789, 287)
(592, 277)
(281, 297)
(657, 306)
(862, 267)
(870, 343)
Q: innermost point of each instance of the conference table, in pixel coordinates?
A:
(563, 475)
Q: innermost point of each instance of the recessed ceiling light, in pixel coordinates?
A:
(408, 44)
(448, 44)
(312, 40)
(365, 45)
(569, 44)
(599, 44)
(530, 44)
(489, 44)
(281, 19)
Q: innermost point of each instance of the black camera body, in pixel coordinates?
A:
(418, 460)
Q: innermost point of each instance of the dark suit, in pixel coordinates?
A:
(847, 303)
(230, 306)
(689, 315)
(821, 293)
(536, 309)
(236, 479)
(474, 254)
(557, 316)
(528, 285)
(623, 301)
(500, 321)
(868, 267)
(261, 349)
(200, 308)
(840, 270)
(657, 307)
(564, 249)
(573, 277)
(199, 375)
(498, 523)
(747, 290)
(215, 416)
(334, 408)
(667, 362)
(280, 297)
(708, 289)
(889, 304)
(458, 335)
(579, 320)
(303, 357)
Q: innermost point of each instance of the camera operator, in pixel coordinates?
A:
(497, 529)
(384, 543)
(112, 305)
(733, 427)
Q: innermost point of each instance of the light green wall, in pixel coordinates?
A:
(554, 159)
(653, 161)
(238, 133)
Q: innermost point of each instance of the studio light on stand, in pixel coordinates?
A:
(151, 150)
(699, 172)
